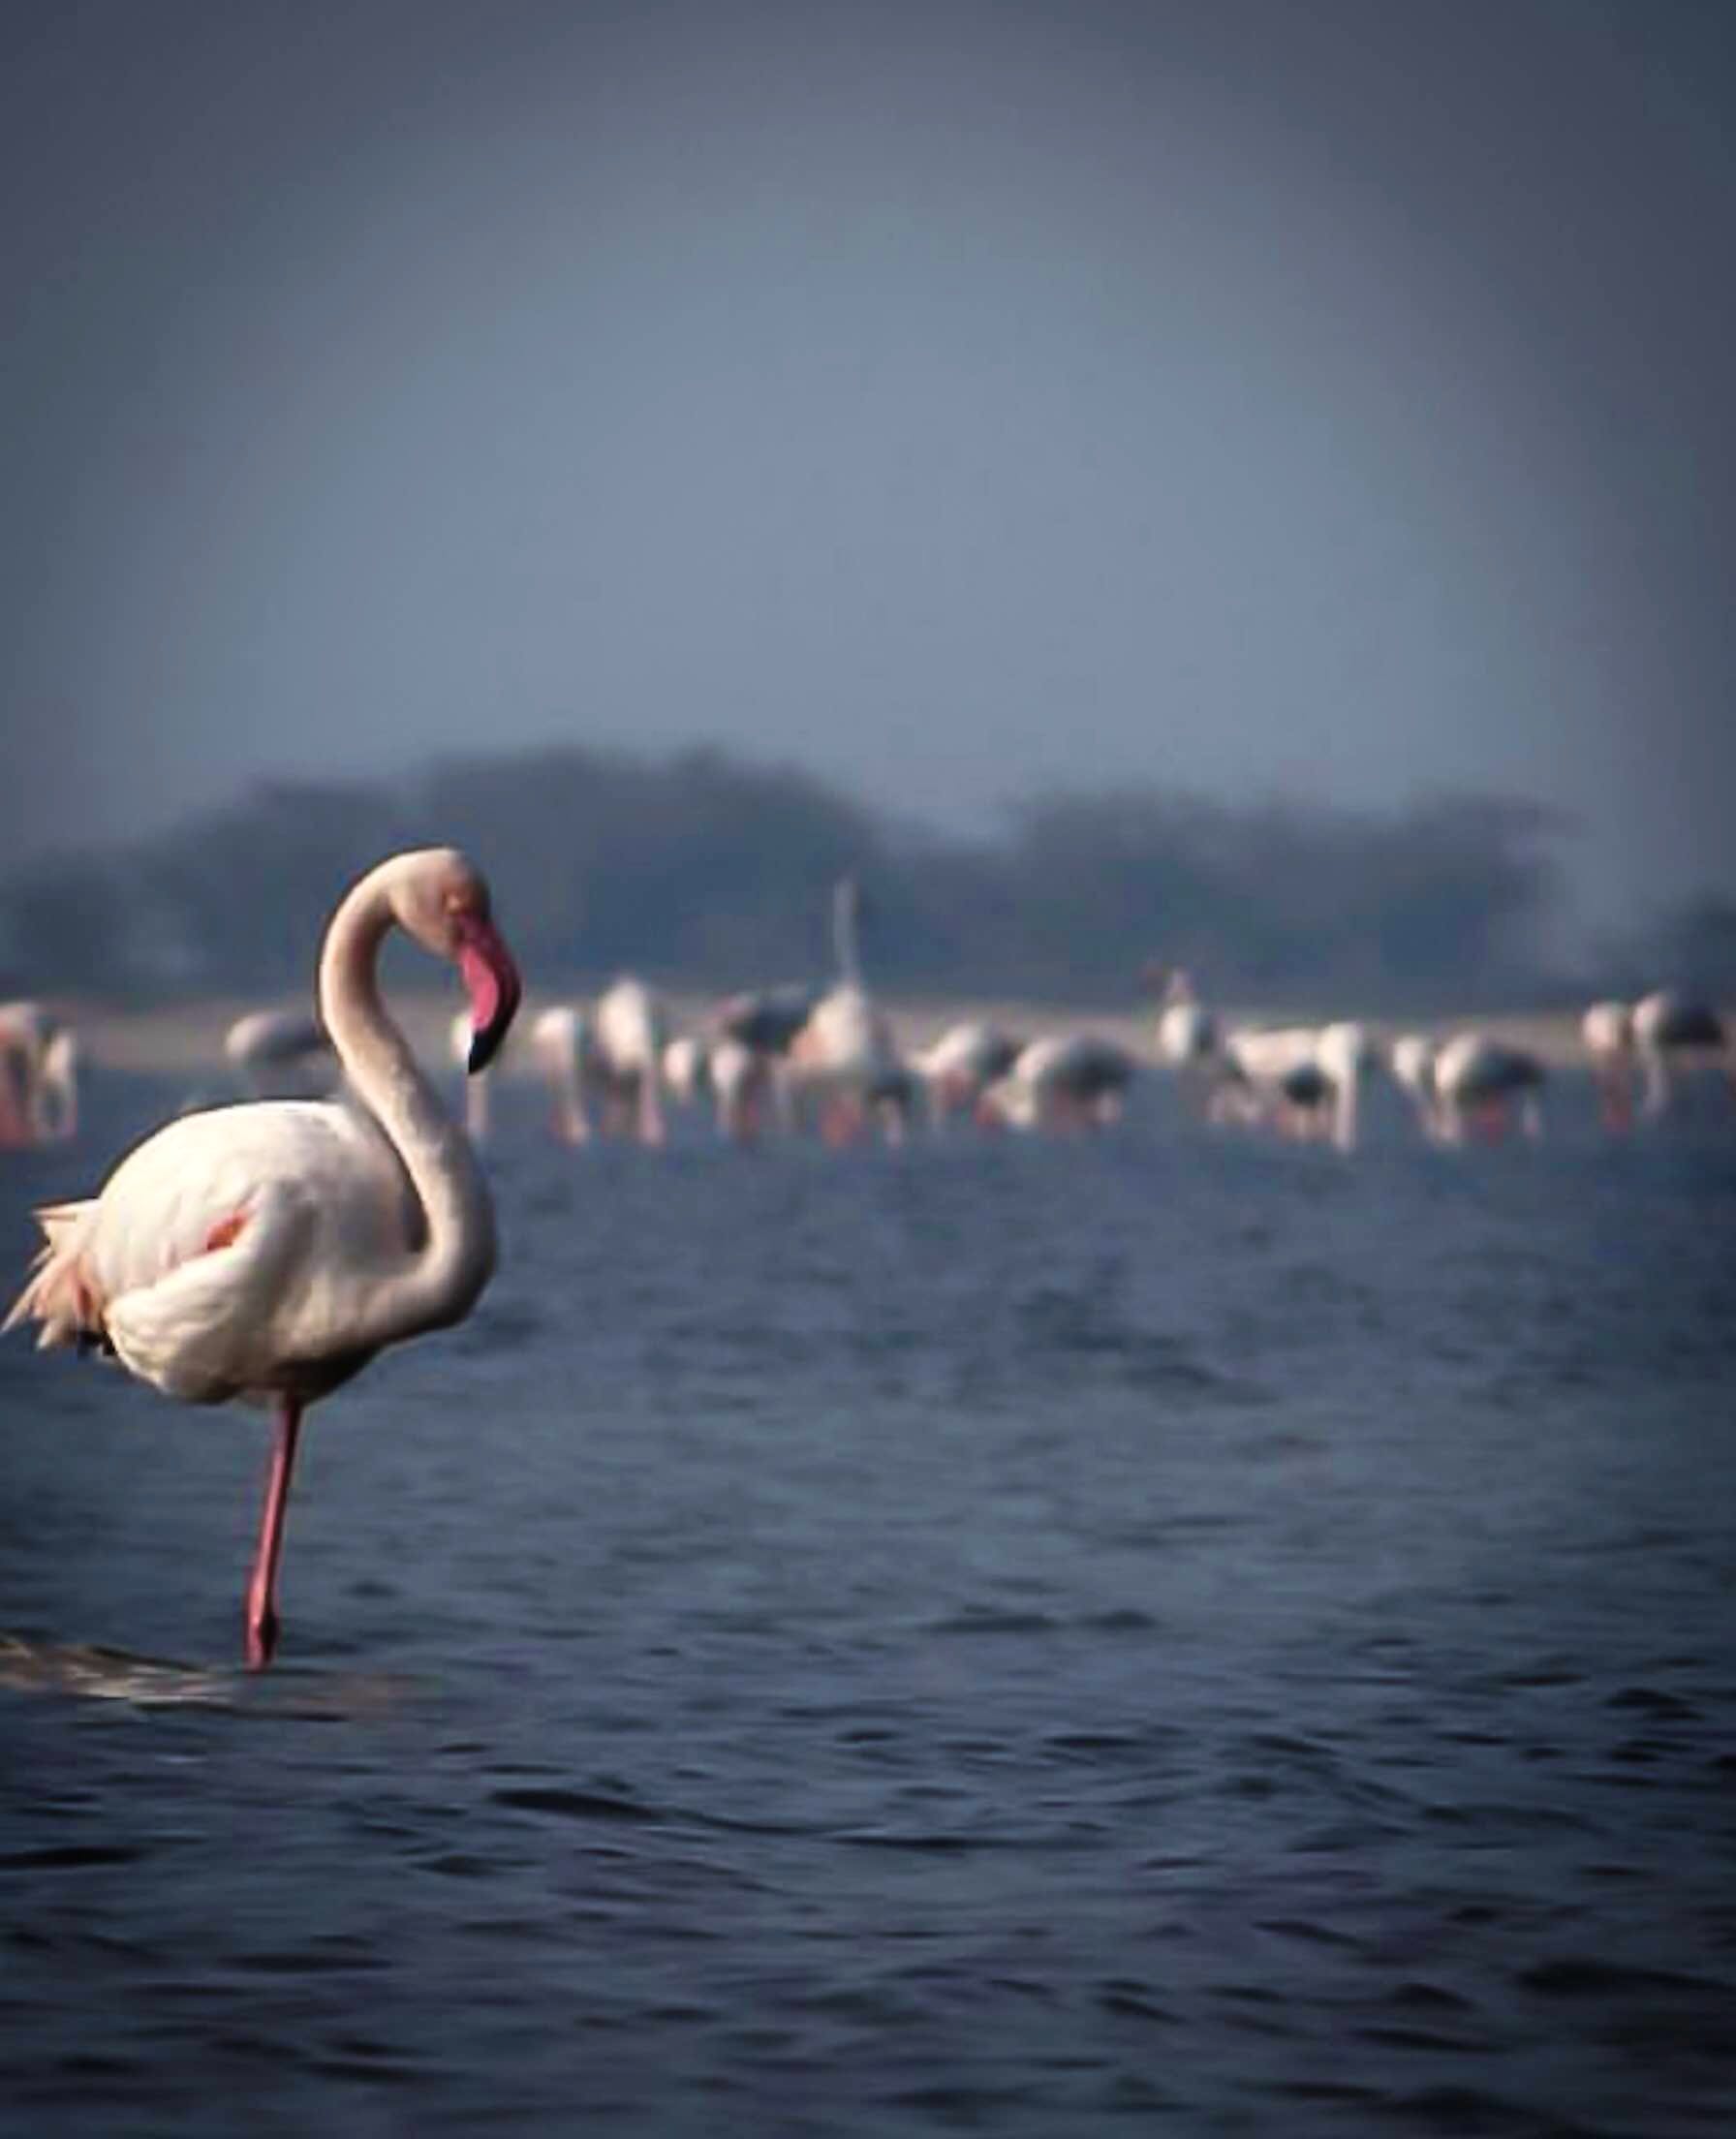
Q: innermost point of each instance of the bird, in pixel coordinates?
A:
(280, 1054)
(58, 1086)
(268, 1251)
(742, 1083)
(844, 1060)
(1411, 1058)
(958, 1067)
(559, 1044)
(1064, 1081)
(765, 1019)
(1607, 1033)
(38, 1076)
(687, 1069)
(1271, 1077)
(1664, 1035)
(478, 1089)
(1187, 1032)
(751, 1034)
(630, 1029)
(1305, 1080)
(1673, 1032)
(564, 1045)
(1477, 1081)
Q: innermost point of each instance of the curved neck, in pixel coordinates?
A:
(438, 1281)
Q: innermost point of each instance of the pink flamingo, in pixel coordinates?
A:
(268, 1251)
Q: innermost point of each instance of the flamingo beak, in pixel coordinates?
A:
(491, 981)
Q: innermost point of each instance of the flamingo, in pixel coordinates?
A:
(1476, 1081)
(1673, 1031)
(844, 1057)
(630, 1041)
(59, 1086)
(1302, 1079)
(1607, 1030)
(765, 1019)
(741, 1078)
(565, 1046)
(268, 1251)
(280, 1054)
(1413, 1057)
(961, 1065)
(1187, 1032)
(1272, 1077)
(687, 1069)
(1064, 1081)
(478, 1089)
(38, 1076)
(559, 1042)
(749, 1053)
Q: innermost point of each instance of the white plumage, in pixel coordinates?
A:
(268, 1251)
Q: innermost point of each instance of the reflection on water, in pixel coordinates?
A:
(95, 1674)
(1004, 1637)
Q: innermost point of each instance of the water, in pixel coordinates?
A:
(1010, 1637)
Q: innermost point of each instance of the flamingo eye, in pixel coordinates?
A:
(466, 903)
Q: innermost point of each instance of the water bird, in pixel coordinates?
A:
(1304, 1080)
(1479, 1082)
(1674, 1034)
(268, 1251)
(1663, 1036)
(38, 1076)
(1062, 1081)
(959, 1067)
(844, 1060)
(631, 1029)
(280, 1054)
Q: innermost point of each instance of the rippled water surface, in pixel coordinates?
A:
(993, 1637)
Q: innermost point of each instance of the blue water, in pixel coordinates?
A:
(1014, 1638)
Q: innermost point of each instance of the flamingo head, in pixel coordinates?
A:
(447, 909)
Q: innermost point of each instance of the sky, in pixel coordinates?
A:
(961, 401)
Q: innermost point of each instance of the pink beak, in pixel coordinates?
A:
(491, 981)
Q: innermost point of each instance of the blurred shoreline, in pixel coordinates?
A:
(186, 1038)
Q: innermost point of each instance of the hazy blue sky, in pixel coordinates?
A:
(1329, 399)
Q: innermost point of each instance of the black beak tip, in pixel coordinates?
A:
(484, 1045)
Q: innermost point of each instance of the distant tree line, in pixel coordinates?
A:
(703, 869)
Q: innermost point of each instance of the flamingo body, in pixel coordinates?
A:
(268, 1251)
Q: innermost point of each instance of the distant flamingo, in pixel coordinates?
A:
(844, 1060)
(1413, 1057)
(749, 1051)
(687, 1069)
(959, 1067)
(1187, 1032)
(1674, 1034)
(1302, 1079)
(1072, 1081)
(1607, 1030)
(630, 1029)
(558, 1043)
(21, 1042)
(38, 1076)
(564, 1045)
(1664, 1036)
(280, 1054)
(268, 1251)
(1479, 1082)
(59, 1104)
(742, 1086)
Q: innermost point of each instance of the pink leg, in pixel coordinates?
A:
(261, 1590)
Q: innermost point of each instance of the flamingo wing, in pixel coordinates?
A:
(230, 1252)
